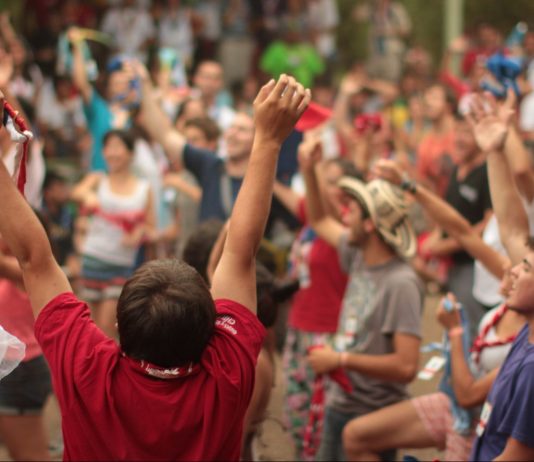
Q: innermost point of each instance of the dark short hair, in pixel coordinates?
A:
(347, 167)
(271, 293)
(207, 125)
(165, 314)
(450, 98)
(125, 136)
(52, 177)
(198, 247)
(530, 243)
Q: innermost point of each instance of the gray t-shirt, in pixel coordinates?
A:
(379, 301)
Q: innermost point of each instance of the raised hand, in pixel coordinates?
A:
(459, 45)
(352, 83)
(490, 121)
(278, 106)
(388, 170)
(310, 151)
(75, 35)
(449, 318)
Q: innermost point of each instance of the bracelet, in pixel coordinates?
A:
(343, 358)
(456, 331)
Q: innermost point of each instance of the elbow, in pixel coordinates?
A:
(468, 400)
(407, 373)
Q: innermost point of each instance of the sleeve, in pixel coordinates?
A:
(454, 83)
(403, 307)
(235, 345)
(200, 162)
(518, 420)
(67, 336)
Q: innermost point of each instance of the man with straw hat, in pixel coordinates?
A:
(378, 338)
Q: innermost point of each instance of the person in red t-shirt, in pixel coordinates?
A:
(178, 384)
(313, 317)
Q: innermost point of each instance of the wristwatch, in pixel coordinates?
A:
(408, 184)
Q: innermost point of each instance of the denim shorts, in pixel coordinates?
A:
(25, 390)
(102, 281)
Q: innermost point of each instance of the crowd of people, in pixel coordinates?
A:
(194, 167)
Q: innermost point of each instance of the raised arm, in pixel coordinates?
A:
(325, 226)
(490, 124)
(79, 73)
(446, 217)
(518, 159)
(156, 122)
(26, 238)
(276, 110)
(468, 390)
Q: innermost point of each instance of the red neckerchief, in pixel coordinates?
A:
(127, 221)
(479, 344)
(165, 373)
(313, 429)
(19, 121)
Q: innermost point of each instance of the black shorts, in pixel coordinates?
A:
(25, 390)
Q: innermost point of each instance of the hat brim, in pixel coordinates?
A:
(402, 238)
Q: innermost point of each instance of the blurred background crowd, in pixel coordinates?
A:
(390, 80)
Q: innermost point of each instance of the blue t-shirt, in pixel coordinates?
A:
(99, 120)
(509, 408)
(209, 171)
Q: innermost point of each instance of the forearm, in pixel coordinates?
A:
(445, 246)
(341, 115)
(388, 367)
(249, 217)
(191, 190)
(10, 269)
(79, 73)
(158, 125)
(520, 164)
(462, 380)
(314, 204)
(445, 216)
(289, 198)
(511, 216)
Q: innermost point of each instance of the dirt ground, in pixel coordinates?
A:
(274, 443)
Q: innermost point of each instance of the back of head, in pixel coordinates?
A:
(165, 314)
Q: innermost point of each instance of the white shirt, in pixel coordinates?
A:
(485, 285)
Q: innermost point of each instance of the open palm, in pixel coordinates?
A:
(490, 121)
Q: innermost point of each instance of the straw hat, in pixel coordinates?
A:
(388, 210)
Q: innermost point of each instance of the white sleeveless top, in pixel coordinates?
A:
(104, 237)
(494, 356)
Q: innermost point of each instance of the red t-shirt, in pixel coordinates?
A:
(112, 410)
(316, 306)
